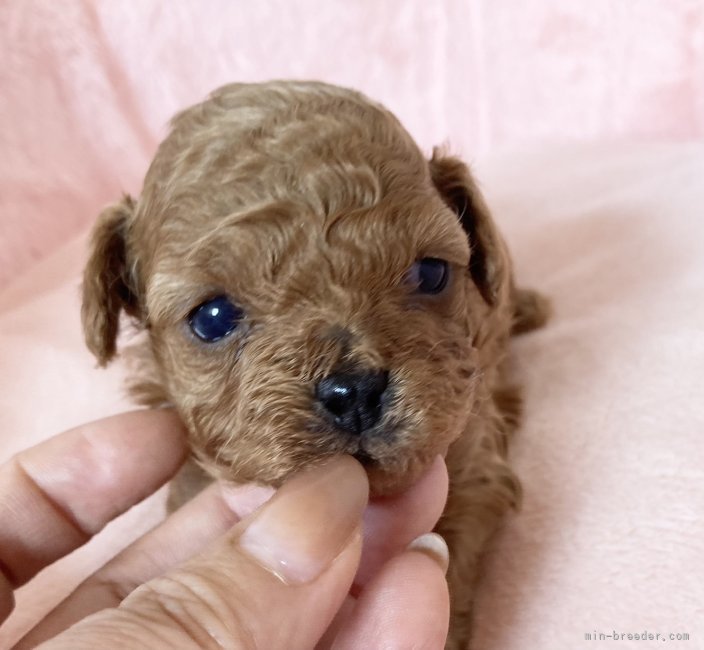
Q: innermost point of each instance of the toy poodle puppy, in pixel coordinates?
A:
(309, 284)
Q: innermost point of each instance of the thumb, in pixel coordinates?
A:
(274, 581)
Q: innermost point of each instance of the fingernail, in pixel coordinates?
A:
(434, 546)
(309, 521)
(243, 500)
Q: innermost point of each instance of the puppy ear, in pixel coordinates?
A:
(487, 265)
(107, 287)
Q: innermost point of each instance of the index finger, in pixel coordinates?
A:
(54, 497)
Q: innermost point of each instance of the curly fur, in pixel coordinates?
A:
(307, 204)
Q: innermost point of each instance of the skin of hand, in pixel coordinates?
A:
(315, 565)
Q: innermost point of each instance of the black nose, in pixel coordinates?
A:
(353, 399)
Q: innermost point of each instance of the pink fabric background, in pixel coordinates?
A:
(87, 87)
(612, 533)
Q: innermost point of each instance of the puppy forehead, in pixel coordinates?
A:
(327, 147)
(279, 247)
(276, 237)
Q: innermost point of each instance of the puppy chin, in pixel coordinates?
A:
(385, 482)
(393, 473)
(395, 457)
(387, 477)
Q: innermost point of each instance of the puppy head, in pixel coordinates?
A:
(309, 283)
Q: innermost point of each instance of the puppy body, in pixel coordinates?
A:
(310, 208)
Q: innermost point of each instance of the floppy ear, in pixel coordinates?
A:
(107, 286)
(487, 264)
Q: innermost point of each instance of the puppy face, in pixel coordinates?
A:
(306, 282)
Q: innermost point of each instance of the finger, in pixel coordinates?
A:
(184, 534)
(391, 524)
(55, 496)
(406, 605)
(274, 581)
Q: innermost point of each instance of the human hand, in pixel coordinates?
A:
(315, 565)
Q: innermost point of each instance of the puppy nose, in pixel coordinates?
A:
(353, 400)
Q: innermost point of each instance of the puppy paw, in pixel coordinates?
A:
(531, 310)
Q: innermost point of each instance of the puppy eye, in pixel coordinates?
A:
(429, 275)
(215, 319)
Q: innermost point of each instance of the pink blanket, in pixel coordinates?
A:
(611, 537)
(88, 85)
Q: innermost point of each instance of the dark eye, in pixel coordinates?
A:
(215, 319)
(429, 275)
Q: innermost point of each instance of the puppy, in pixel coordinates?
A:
(311, 285)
